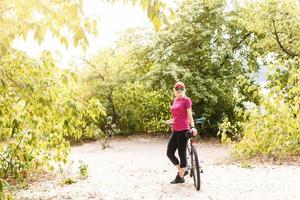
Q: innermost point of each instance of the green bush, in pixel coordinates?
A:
(272, 130)
(41, 111)
(141, 109)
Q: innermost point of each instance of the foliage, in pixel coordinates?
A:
(110, 129)
(158, 12)
(203, 47)
(272, 130)
(41, 110)
(18, 18)
(127, 88)
(83, 170)
(273, 127)
(276, 23)
(5, 192)
(209, 53)
(65, 20)
(69, 181)
(142, 109)
(115, 79)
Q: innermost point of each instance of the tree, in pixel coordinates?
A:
(273, 127)
(18, 18)
(156, 11)
(206, 50)
(41, 112)
(113, 77)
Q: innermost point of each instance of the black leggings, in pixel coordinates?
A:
(177, 140)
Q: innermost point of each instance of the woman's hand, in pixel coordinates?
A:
(170, 121)
(194, 131)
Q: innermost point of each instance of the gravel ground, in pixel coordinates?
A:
(137, 167)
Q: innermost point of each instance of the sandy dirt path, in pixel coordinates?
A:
(137, 168)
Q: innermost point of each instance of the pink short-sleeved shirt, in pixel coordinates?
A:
(179, 113)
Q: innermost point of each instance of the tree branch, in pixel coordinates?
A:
(94, 66)
(7, 9)
(280, 44)
(242, 40)
(235, 47)
(19, 86)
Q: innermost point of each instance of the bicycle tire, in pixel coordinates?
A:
(188, 156)
(195, 168)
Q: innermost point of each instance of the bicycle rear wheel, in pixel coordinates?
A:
(195, 168)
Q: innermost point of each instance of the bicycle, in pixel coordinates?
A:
(193, 166)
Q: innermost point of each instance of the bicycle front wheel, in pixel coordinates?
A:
(195, 168)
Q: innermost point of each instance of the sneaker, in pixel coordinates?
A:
(186, 173)
(178, 179)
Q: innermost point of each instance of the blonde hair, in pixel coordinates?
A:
(179, 83)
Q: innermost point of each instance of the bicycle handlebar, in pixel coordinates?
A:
(189, 134)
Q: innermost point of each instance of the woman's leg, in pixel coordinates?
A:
(172, 146)
(182, 142)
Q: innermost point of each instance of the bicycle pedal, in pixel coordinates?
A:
(201, 171)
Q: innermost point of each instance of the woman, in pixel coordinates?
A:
(182, 121)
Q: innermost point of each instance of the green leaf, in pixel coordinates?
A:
(157, 23)
(64, 41)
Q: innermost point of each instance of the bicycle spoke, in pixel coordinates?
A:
(196, 169)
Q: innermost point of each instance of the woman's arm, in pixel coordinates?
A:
(191, 121)
(190, 116)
